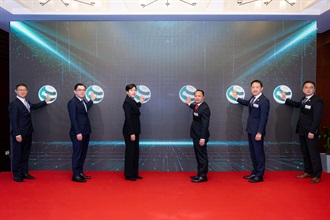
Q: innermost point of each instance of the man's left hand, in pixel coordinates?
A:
(258, 137)
(310, 135)
(201, 142)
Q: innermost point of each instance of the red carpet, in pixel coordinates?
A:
(163, 195)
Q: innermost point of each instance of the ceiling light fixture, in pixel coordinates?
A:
(168, 3)
(291, 2)
(241, 2)
(266, 2)
(67, 2)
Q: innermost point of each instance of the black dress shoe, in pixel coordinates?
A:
(82, 175)
(78, 179)
(199, 180)
(28, 176)
(139, 177)
(249, 176)
(194, 177)
(18, 179)
(130, 178)
(256, 179)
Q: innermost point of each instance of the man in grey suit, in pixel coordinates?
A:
(256, 128)
(308, 129)
(21, 132)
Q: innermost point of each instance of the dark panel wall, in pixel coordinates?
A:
(322, 80)
(4, 91)
(323, 75)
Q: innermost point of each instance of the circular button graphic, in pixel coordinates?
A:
(98, 91)
(144, 91)
(239, 91)
(278, 92)
(187, 91)
(47, 90)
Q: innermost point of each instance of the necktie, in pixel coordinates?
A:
(252, 101)
(305, 100)
(196, 107)
(26, 105)
(84, 105)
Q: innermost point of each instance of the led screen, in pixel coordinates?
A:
(167, 60)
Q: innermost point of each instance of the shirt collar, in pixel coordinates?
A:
(256, 97)
(22, 100)
(79, 98)
(308, 97)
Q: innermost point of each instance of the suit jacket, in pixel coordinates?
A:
(310, 114)
(132, 116)
(201, 120)
(79, 117)
(258, 114)
(20, 117)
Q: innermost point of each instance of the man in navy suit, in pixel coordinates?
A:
(256, 128)
(21, 132)
(308, 129)
(80, 130)
(199, 132)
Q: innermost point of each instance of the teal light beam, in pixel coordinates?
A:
(160, 143)
(20, 27)
(310, 29)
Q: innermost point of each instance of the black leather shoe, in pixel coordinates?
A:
(28, 176)
(82, 175)
(249, 176)
(139, 177)
(18, 179)
(199, 180)
(78, 179)
(256, 179)
(130, 178)
(194, 177)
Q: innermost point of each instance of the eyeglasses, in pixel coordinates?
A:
(22, 90)
(308, 87)
(81, 90)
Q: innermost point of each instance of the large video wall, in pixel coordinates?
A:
(168, 60)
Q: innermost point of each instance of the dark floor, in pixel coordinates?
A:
(57, 156)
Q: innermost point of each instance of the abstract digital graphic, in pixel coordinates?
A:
(168, 60)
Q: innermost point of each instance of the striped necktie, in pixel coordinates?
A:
(252, 101)
(83, 102)
(304, 101)
(196, 107)
(26, 105)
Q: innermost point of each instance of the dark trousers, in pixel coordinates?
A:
(312, 160)
(79, 153)
(257, 155)
(201, 157)
(20, 155)
(132, 152)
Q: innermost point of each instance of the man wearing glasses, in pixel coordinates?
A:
(21, 132)
(80, 130)
(308, 129)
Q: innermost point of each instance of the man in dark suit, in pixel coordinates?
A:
(199, 132)
(21, 132)
(308, 129)
(256, 128)
(80, 130)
